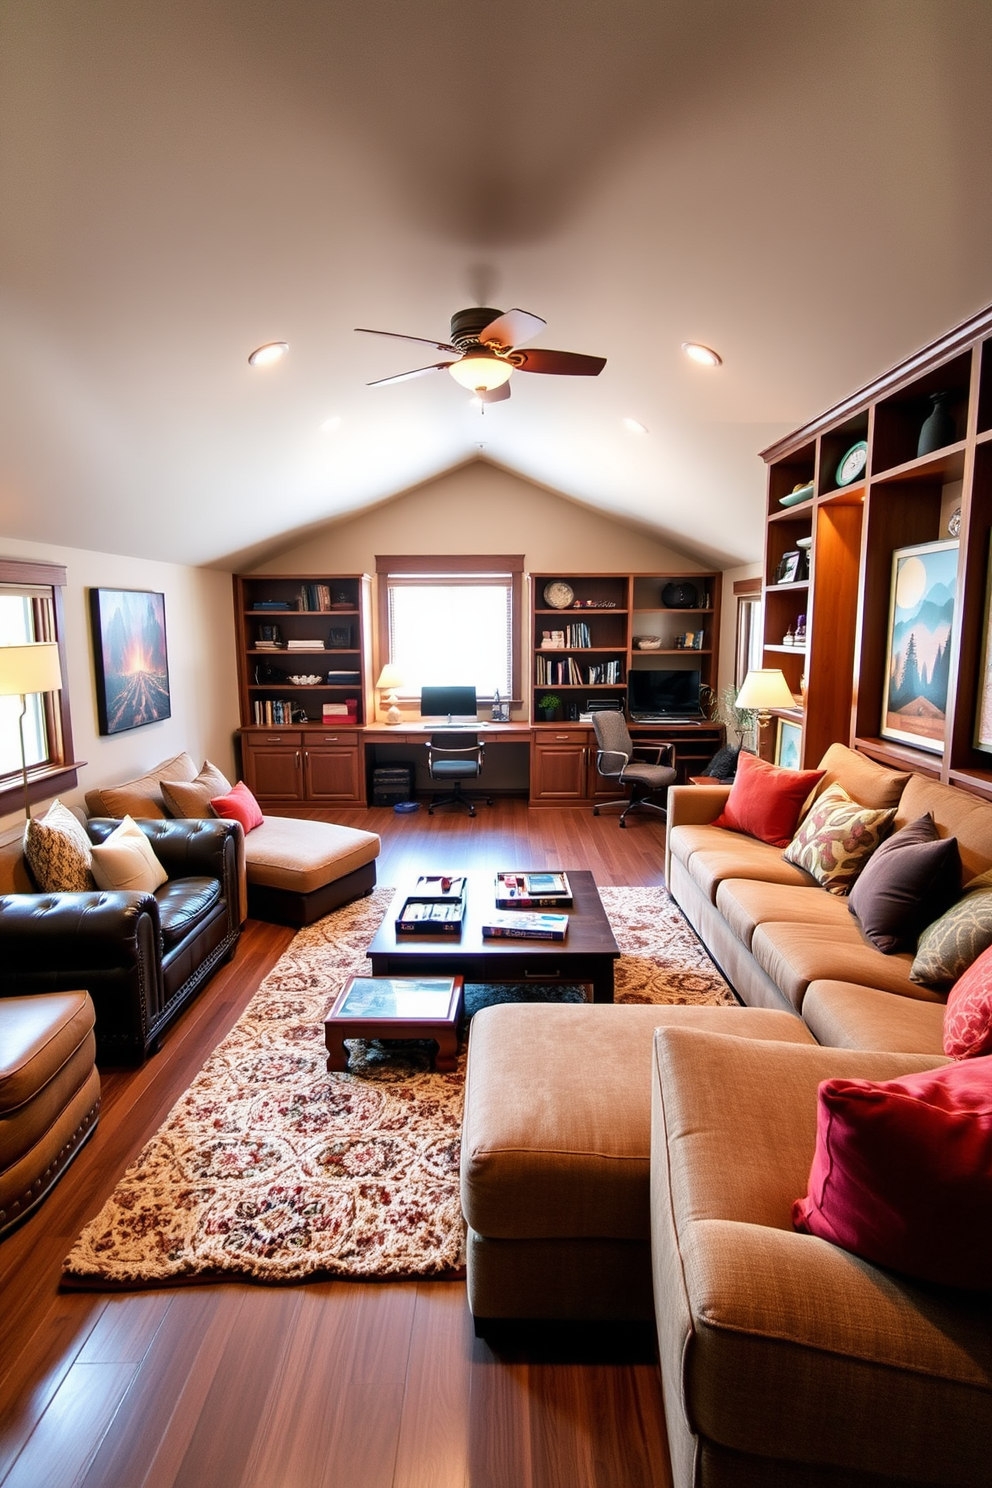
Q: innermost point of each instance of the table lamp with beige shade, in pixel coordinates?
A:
(27, 669)
(763, 689)
(389, 679)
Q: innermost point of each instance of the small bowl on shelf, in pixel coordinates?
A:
(797, 494)
(648, 643)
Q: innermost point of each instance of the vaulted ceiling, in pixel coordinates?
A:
(804, 187)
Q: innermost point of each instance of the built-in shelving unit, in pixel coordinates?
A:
(902, 498)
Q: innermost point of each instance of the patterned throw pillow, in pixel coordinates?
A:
(58, 852)
(949, 946)
(968, 1014)
(837, 838)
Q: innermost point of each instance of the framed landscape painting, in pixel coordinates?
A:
(130, 658)
(917, 656)
(788, 745)
(983, 719)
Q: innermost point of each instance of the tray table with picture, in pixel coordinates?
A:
(375, 1007)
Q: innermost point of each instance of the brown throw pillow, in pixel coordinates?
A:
(908, 882)
(141, 798)
(191, 798)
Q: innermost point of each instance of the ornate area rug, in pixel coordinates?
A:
(270, 1169)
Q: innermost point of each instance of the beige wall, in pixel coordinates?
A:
(481, 508)
(728, 629)
(203, 683)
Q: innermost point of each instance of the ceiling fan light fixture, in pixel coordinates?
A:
(705, 355)
(272, 351)
(481, 370)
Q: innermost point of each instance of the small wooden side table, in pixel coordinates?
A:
(705, 780)
(380, 1007)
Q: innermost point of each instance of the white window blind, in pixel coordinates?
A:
(17, 627)
(452, 629)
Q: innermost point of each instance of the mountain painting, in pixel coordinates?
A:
(132, 662)
(921, 612)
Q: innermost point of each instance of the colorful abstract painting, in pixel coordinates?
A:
(918, 660)
(130, 657)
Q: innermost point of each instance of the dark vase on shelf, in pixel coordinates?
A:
(938, 428)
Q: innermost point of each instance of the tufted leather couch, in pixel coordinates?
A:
(141, 957)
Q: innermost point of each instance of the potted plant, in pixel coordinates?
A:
(739, 721)
(548, 706)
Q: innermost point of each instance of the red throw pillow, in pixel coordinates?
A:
(239, 805)
(765, 801)
(902, 1173)
(968, 1014)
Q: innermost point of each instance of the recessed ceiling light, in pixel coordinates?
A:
(272, 351)
(700, 353)
(332, 423)
(634, 426)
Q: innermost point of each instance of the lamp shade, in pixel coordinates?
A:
(481, 371)
(764, 688)
(31, 668)
(390, 677)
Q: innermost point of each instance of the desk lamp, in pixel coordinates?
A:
(389, 680)
(763, 689)
(29, 669)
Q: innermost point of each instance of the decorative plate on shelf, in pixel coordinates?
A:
(954, 522)
(853, 463)
(558, 595)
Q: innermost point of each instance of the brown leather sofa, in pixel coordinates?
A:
(141, 957)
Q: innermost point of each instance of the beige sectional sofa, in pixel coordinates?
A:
(627, 1163)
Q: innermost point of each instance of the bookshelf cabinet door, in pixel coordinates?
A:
(274, 772)
(558, 772)
(332, 773)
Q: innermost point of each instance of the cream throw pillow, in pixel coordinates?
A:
(126, 861)
(58, 851)
(191, 798)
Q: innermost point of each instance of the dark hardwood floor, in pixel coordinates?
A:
(355, 1385)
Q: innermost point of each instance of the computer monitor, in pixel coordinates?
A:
(452, 703)
(663, 692)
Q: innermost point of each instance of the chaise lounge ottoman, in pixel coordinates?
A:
(49, 1094)
(556, 1152)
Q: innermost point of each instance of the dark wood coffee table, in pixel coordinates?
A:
(396, 1008)
(586, 955)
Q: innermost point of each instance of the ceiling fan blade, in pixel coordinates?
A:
(494, 395)
(420, 340)
(513, 328)
(563, 363)
(405, 376)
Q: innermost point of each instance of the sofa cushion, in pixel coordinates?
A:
(957, 814)
(126, 860)
(846, 1016)
(949, 946)
(765, 801)
(968, 1015)
(191, 798)
(837, 838)
(300, 855)
(141, 797)
(794, 955)
(777, 1343)
(557, 1130)
(238, 804)
(58, 851)
(747, 903)
(865, 781)
(182, 904)
(908, 882)
(902, 1173)
(711, 855)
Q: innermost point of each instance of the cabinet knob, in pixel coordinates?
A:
(297, 759)
(562, 737)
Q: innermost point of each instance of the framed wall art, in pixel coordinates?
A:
(983, 714)
(130, 658)
(789, 745)
(918, 644)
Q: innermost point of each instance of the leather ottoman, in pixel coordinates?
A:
(49, 1094)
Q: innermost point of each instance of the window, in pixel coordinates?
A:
(31, 610)
(749, 637)
(452, 620)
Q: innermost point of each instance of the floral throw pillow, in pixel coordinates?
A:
(837, 838)
(58, 852)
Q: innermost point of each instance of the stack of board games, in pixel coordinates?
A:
(538, 890)
(523, 926)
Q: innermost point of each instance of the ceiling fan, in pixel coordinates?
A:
(485, 344)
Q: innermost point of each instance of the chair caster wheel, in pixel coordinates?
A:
(430, 811)
(595, 811)
(623, 823)
(471, 813)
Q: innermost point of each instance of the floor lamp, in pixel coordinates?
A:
(29, 669)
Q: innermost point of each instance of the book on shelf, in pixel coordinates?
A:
(315, 597)
(274, 604)
(545, 890)
(314, 643)
(519, 926)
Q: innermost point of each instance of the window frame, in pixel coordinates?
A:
(59, 773)
(748, 593)
(441, 564)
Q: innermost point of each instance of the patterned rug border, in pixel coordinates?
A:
(270, 1171)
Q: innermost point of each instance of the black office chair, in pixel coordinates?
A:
(455, 757)
(615, 761)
